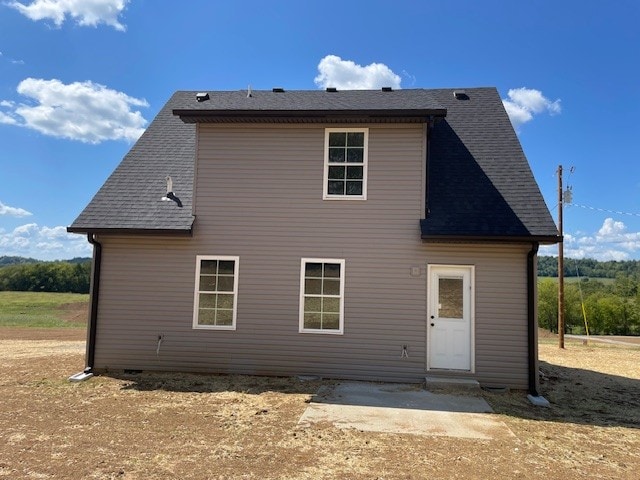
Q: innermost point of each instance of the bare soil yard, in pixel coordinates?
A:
(154, 425)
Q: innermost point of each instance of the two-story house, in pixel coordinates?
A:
(375, 235)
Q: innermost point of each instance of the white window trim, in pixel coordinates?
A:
(365, 163)
(196, 296)
(303, 262)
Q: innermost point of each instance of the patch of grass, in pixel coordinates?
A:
(39, 309)
(603, 280)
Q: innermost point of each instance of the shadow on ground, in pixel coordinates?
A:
(214, 383)
(577, 396)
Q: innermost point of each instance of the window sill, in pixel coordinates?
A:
(214, 327)
(344, 197)
(322, 332)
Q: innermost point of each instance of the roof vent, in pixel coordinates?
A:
(332, 89)
(202, 96)
(387, 89)
(278, 90)
(460, 94)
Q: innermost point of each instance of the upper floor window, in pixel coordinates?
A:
(345, 163)
(216, 292)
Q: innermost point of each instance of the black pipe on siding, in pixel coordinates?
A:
(95, 291)
(532, 320)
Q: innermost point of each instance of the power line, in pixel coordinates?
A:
(587, 207)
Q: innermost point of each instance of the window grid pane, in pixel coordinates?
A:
(216, 292)
(322, 298)
(346, 149)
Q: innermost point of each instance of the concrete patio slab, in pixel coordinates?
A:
(402, 408)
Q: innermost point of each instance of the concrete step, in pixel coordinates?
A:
(458, 383)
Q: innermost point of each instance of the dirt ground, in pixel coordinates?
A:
(155, 425)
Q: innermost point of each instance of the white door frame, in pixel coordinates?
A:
(472, 304)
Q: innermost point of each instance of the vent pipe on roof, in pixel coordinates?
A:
(249, 91)
(202, 96)
(332, 89)
(278, 90)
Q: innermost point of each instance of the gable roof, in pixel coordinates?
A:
(480, 185)
(130, 199)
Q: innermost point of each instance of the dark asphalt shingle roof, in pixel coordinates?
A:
(480, 184)
(130, 199)
(306, 100)
(479, 181)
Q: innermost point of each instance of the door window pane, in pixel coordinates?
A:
(450, 297)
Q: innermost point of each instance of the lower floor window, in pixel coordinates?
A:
(322, 295)
(216, 292)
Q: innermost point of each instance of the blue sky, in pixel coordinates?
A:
(79, 81)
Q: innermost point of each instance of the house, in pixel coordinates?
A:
(375, 235)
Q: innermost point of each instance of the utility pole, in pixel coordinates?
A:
(560, 263)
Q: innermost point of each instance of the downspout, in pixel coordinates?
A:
(95, 291)
(532, 320)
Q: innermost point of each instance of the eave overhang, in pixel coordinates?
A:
(309, 116)
(183, 232)
(543, 239)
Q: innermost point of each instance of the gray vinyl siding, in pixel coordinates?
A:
(259, 197)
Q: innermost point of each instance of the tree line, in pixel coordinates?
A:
(606, 294)
(587, 267)
(611, 308)
(29, 275)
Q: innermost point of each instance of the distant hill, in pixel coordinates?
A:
(6, 260)
(587, 267)
(75, 260)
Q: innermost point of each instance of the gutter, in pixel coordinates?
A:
(198, 115)
(132, 231)
(93, 312)
(545, 239)
(532, 323)
(532, 320)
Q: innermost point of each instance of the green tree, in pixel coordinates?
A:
(548, 304)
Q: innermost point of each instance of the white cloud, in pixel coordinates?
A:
(54, 232)
(409, 76)
(17, 62)
(612, 241)
(7, 119)
(26, 230)
(44, 243)
(12, 211)
(88, 13)
(347, 75)
(523, 103)
(6, 103)
(84, 111)
(611, 229)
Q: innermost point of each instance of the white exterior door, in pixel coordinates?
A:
(450, 318)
